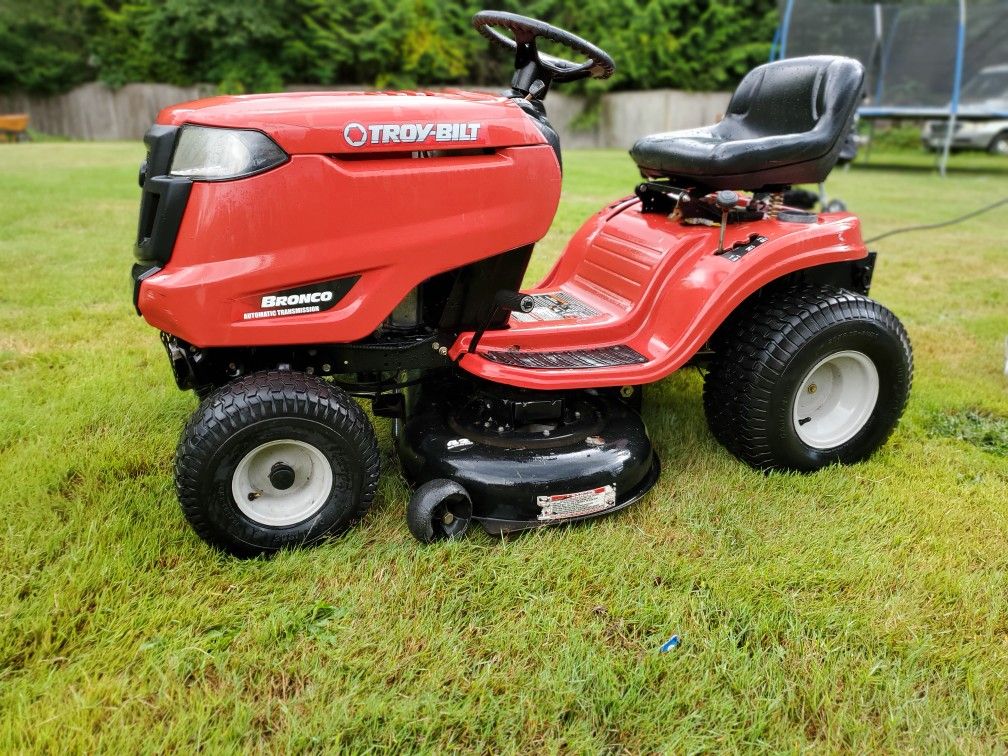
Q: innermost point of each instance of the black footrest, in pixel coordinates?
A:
(612, 356)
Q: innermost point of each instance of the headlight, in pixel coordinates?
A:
(210, 154)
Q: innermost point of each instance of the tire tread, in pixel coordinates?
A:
(753, 355)
(256, 397)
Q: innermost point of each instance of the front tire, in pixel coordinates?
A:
(275, 460)
(810, 377)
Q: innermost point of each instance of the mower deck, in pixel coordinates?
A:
(498, 527)
(527, 460)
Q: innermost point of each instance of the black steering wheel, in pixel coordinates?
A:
(525, 31)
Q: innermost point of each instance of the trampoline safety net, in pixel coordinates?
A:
(912, 53)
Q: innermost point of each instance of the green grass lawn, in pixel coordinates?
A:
(860, 608)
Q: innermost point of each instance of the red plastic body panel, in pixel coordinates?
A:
(336, 209)
(395, 206)
(393, 221)
(316, 122)
(658, 287)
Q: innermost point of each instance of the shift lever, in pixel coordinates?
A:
(726, 200)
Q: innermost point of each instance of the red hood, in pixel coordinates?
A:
(351, 122)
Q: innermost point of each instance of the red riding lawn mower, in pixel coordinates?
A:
(298, 250)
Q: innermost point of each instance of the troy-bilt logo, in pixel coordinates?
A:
(357, 135)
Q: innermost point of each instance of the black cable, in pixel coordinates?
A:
(929, 226)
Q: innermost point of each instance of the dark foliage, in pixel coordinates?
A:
(52, 45)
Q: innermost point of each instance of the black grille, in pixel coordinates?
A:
(163, 200)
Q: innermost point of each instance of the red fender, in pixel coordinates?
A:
(656, 286)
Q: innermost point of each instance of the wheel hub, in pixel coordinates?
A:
(835, 399)
(281, 483)
(282, 476)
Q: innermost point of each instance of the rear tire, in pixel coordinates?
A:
(275, 460)
(810, 377)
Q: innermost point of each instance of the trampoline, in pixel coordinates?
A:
(923, 61)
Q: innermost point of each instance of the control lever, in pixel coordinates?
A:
(726, 200)
(508, 301)
(514, 301)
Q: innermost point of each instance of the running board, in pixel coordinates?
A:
(572, 359)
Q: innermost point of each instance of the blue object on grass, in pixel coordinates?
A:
(668, 645)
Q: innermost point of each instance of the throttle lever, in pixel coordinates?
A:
(726, 200)
(508, 301)
(514, 301)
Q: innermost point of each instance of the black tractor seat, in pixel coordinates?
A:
(785, 124)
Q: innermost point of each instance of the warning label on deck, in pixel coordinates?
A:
(562, 506)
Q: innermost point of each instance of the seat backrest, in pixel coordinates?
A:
(796, 95)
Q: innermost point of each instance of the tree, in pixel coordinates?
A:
(241, 46)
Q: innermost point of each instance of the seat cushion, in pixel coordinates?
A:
(785, 125)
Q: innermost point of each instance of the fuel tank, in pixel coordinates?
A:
(381, 191)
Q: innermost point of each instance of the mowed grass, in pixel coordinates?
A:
(861, 608)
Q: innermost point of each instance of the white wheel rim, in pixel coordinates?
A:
(261, 501)
(1001, 146)
(835, 399)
